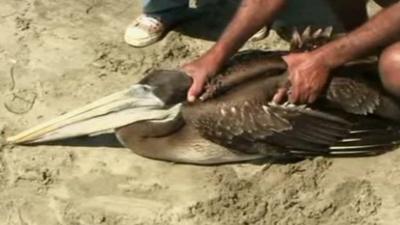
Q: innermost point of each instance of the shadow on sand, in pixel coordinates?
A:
(101, 140)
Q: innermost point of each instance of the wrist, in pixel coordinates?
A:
(216, 57)
(328, 57)
(338, 52)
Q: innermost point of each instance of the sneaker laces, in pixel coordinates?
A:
(149, 23)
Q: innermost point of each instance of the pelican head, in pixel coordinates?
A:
(170, 86)
(157, 97)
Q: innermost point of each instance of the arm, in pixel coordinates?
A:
(249, 18)
(381, 30)
(309, 71)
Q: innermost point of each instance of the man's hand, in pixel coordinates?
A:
(309, 71)
(308, 75)
(200, 70)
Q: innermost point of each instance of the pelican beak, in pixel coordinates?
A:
(138, 103)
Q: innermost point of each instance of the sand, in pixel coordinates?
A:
(57, 55)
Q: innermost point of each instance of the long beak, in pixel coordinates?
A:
(138, 103)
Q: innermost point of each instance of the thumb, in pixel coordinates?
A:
(195, 89)
(280, 95)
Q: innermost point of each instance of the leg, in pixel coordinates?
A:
(168, 12)
(389, 68)
(314, 13)
(341, 15)
(385, 3)
(350, 13)
(158, 6)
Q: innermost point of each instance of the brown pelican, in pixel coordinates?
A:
(238, 121)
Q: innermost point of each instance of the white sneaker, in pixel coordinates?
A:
(144, 31)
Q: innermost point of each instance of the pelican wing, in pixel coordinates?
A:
(291, 129)
(353, 96)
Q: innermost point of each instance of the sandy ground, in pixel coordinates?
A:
(56, 55)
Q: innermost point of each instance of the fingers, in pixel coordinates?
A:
(300, 95)
(195, 89)
(197, 82)
(200, 70)
(197, 85)
(296, 91)
(303, 94)
(294, 95)
(312, 98)
(300, 91)
(282, 93)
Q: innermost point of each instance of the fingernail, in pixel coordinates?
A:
(191, 98)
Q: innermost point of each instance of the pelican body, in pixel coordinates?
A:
(351, 118)
(236, 121)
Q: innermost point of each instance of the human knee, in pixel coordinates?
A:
(389, 68)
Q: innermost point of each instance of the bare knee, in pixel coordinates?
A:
(389, 68)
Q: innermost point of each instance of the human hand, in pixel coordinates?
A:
(200, 70)
(308, 75)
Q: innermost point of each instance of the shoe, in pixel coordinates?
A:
(144, 31)
(261, 34)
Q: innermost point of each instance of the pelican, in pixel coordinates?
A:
(236, 121)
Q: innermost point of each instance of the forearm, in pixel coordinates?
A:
(251, 16)
(381, 30)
